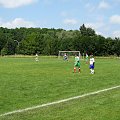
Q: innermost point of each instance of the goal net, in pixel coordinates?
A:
(68, 53)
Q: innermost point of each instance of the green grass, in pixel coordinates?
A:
(26, 83)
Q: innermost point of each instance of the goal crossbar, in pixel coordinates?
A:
(69, 52)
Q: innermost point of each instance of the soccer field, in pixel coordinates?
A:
(26, 83)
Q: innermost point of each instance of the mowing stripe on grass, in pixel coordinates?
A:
(57, 102)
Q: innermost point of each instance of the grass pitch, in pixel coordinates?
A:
(26, 83)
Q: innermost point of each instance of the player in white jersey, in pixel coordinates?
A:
(65, 57)
(86, 58)
(36, 57)
(92, 64)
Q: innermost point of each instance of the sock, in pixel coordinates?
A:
(91, 71)
(74, 70)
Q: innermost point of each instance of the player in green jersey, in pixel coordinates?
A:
(77, 64)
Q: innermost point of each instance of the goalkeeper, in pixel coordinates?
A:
(77, 64)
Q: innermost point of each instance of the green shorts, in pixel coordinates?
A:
(77, 64)
(86, 59)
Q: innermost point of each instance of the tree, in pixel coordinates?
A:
(117, 46)
(49, 41)
(86, 31)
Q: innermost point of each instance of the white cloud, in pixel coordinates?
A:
(17, 23)
(15, 3)
(103, 5)
(116, 33)
(115, 19)
(100, 28)
(96, 25)
(70, 21)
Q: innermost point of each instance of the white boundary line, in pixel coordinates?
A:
(57, 102)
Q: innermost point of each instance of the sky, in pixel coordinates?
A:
(101, 15)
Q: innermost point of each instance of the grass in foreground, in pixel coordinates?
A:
(104, 106)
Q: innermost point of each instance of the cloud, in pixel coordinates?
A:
(115, 19)
(116, 33)
(15, 3)
(100, 28)
(96, 25)
(17, 23)
(70, 21)
(103, 5)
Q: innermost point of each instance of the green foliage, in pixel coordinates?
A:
(86, 31)
(49, 41)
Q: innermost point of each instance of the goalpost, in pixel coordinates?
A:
(61, 53)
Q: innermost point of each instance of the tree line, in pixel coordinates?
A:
(44, 41)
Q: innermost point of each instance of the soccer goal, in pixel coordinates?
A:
(68, 53)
